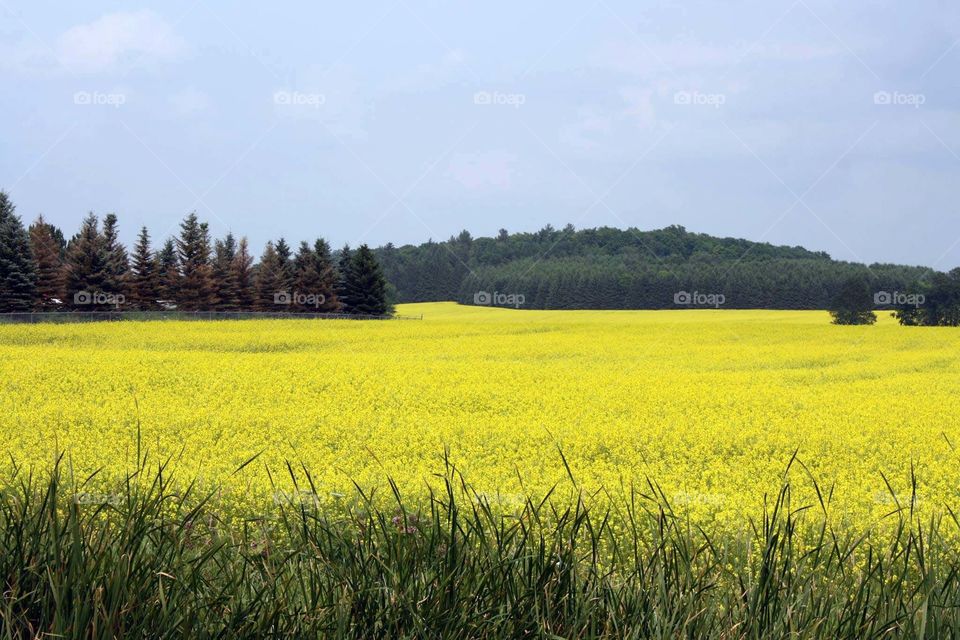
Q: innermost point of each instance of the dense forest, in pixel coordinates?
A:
(610, 268)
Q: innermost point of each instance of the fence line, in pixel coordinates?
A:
(112, 316)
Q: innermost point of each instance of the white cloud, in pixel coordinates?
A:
(116, 39)
(488, 169)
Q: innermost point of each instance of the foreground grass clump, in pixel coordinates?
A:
(154, 561)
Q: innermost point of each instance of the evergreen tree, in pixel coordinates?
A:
(45, 244)
(18, 289)
(224, 274)
(366, 284)
(243, 272)
(323, 263)
(193, 253)
(285, 261)
(853, 303)
(144, 277)
(117, 265)
(344, 259)
(87, 268)
(271, 293)
(168, 274)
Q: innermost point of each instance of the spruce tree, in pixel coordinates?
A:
(193, 253)
(118, 265)
(366, 284)
(18, 290)
(168, 274)
(224, 275)
(313, 279)
(306, 281)
(86, 269)
(270, 282)
(144, 276)
(45, 244)
(243, 272)
(344, 259)
(285, 262)
(328, 275)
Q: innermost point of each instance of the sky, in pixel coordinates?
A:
(825, 124)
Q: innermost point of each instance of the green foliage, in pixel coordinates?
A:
(608, 268)
(853, 303)
(365, 288)
(196, 287)
(144, 277)
(153, 558)
(225, 280)
(18, 288)
(87, 270)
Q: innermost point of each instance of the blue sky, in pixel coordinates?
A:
(825, 124)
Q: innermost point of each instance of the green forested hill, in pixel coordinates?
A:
(609, 268)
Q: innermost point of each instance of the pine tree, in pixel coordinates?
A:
(344, 260)
(118, 265)
(168, 274)
(143, 282)
(271, 296)
(285, 260)
(18, 289)
(224, 274)
(45, 244)
(87, 269)
(366, 284)
(193, 253)
(306, 281)
(328, 276)
(243, 272)
(313, 279)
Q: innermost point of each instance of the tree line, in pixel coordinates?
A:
(931, 301)
(608, 268)
(41, 270)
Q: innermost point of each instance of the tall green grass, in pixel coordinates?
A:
(154, 561)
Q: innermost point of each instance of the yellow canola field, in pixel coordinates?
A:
(710, 404)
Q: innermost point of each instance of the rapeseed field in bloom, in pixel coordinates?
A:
(711, 405)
